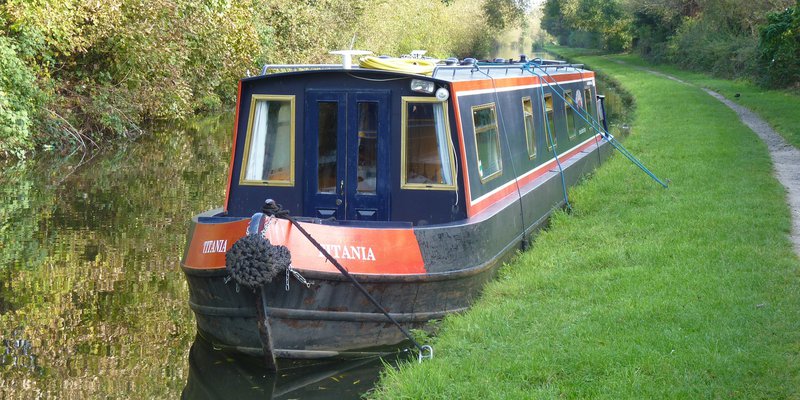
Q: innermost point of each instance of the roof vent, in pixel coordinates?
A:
(347, 56)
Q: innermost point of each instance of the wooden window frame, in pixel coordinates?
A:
(404, 184)
(591, 103)
(529, 136)
(548, 121)
(569, 115)
(499, 171)
(268, 182)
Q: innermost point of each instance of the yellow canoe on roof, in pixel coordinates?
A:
(407, 65)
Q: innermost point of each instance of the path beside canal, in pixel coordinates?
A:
(785, 157)
(641, 292)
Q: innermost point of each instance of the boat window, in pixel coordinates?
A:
(589, 100)
(487, 141)
(582, 113)
(530, 132)
(428, 160)
(367, 146)
(269, 147)
(550, 123)
(326, 146)
(569, 112)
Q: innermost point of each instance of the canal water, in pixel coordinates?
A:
(93, 303)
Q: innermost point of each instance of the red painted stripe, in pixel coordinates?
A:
(510, 187)
(464, 169)
(501, 82)
(233, 146)
(360, 250)
(498, 83)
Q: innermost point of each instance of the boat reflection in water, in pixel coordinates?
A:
(219, 374)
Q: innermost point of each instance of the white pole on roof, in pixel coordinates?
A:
(347, 56)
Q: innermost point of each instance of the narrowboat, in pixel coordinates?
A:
(419, 177)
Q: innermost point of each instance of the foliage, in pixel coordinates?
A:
(84, 72)
(503, 13)
(779, 48)
(554, 21)
(702, 44)
(18, 101)
(717, 36)
(588, 23)
(305, 31)
(400, 26)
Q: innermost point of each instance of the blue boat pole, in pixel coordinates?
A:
(594, 124)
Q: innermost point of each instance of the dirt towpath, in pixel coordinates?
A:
(785, 157)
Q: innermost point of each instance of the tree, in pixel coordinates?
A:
(779, 47)
(553, 20)
(502, 13)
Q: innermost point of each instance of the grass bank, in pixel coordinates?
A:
(689, 292)
(780, 108)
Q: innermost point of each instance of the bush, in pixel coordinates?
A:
(18, 102)
(702, 45)
(586, 40)
(398, 27)
(779, 48)
(111, 66)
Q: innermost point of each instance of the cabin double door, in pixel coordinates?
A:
(347, 155)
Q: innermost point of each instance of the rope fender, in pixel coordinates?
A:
(253, 261)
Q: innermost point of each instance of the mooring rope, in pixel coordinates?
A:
(510, 155)
(594, 124)
(553, 146)
(272, 208)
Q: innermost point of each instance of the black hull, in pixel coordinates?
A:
(333, 319)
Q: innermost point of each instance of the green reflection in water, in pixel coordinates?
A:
(215, 374)
(92, 301)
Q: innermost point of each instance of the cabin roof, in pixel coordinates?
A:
(447, 73)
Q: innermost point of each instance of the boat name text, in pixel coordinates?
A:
(348, 252)
(215, 246)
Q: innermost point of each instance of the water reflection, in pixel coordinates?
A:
(215, 374)
(92, 302)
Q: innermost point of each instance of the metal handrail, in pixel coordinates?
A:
(505, 67)
(297, 67)
(439, 68)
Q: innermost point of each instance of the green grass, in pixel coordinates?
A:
(780, 108)
(690, 292)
